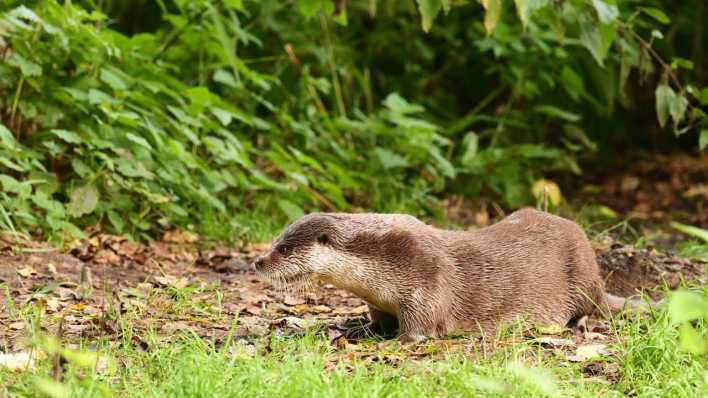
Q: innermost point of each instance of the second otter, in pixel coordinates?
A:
(430, 282)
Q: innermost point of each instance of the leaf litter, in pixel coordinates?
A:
(174, 286)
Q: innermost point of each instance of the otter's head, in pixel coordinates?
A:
(303, 251)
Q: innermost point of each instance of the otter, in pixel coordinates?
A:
(429, 282)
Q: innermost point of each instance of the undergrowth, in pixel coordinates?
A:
(139, 117)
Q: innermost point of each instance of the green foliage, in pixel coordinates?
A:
(219, 112)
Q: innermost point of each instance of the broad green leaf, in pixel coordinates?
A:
(470, 144)
(10, 184)
(26, 13)
(678, 62)
(54, 208)
(492, 15)
(6, 137)
(223, 116)
(429, 9)
(67, 136)
(398, 104)
(83, 200)
(572, 83)
(390, 159)
(81, 168)
(27, 67)
(97, 97)
(685, 306)
(525, 8)
(703, 140)
(309, 8)
(702, 96)
(224, 77)
(607, 13)
(446, 5)
(235, 4)
(664, 97)
(112, 79)
(138, 140)
(677, 109)
(657, 14)
(597, 39)
(290, 209)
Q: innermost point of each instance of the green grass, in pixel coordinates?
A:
(647, 362)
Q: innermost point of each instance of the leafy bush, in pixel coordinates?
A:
(215, 113)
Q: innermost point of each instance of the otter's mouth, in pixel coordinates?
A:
(290, 279)
(298, 277)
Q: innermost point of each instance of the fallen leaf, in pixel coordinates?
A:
(321, 309)
(106, 256)
(180, 236)
(585, 352)
(172, 281)
(26, 272)
(554, 342)
(17, 361)
(293, 300)
(360, 310)
(253, 310)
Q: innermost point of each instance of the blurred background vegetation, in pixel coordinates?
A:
(232, 117)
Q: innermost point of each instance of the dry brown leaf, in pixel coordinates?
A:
(554, 342)
(180, 236)
(360, 310)
(254, 310)
(18, 361)
(293, 300)
(26, 272)
(106, 256)
(590, 351)
(172, 281)
(321, 309)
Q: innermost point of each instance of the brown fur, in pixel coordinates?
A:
(431, 281)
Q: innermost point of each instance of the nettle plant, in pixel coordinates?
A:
(231, 114)
(140, 134)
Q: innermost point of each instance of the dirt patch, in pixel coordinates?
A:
(659, 189)
(629, 271)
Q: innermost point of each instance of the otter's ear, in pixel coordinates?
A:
(323, 239)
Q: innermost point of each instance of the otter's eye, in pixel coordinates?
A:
(283, 250)
(323, 239)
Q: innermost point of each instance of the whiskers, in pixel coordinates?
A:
(299, 287)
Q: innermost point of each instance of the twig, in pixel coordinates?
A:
(321, 198)
(310, 88)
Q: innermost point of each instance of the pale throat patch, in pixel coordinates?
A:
(348, 272)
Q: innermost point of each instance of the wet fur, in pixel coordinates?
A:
(429, 281)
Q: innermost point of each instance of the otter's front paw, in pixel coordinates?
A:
(411, 338)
